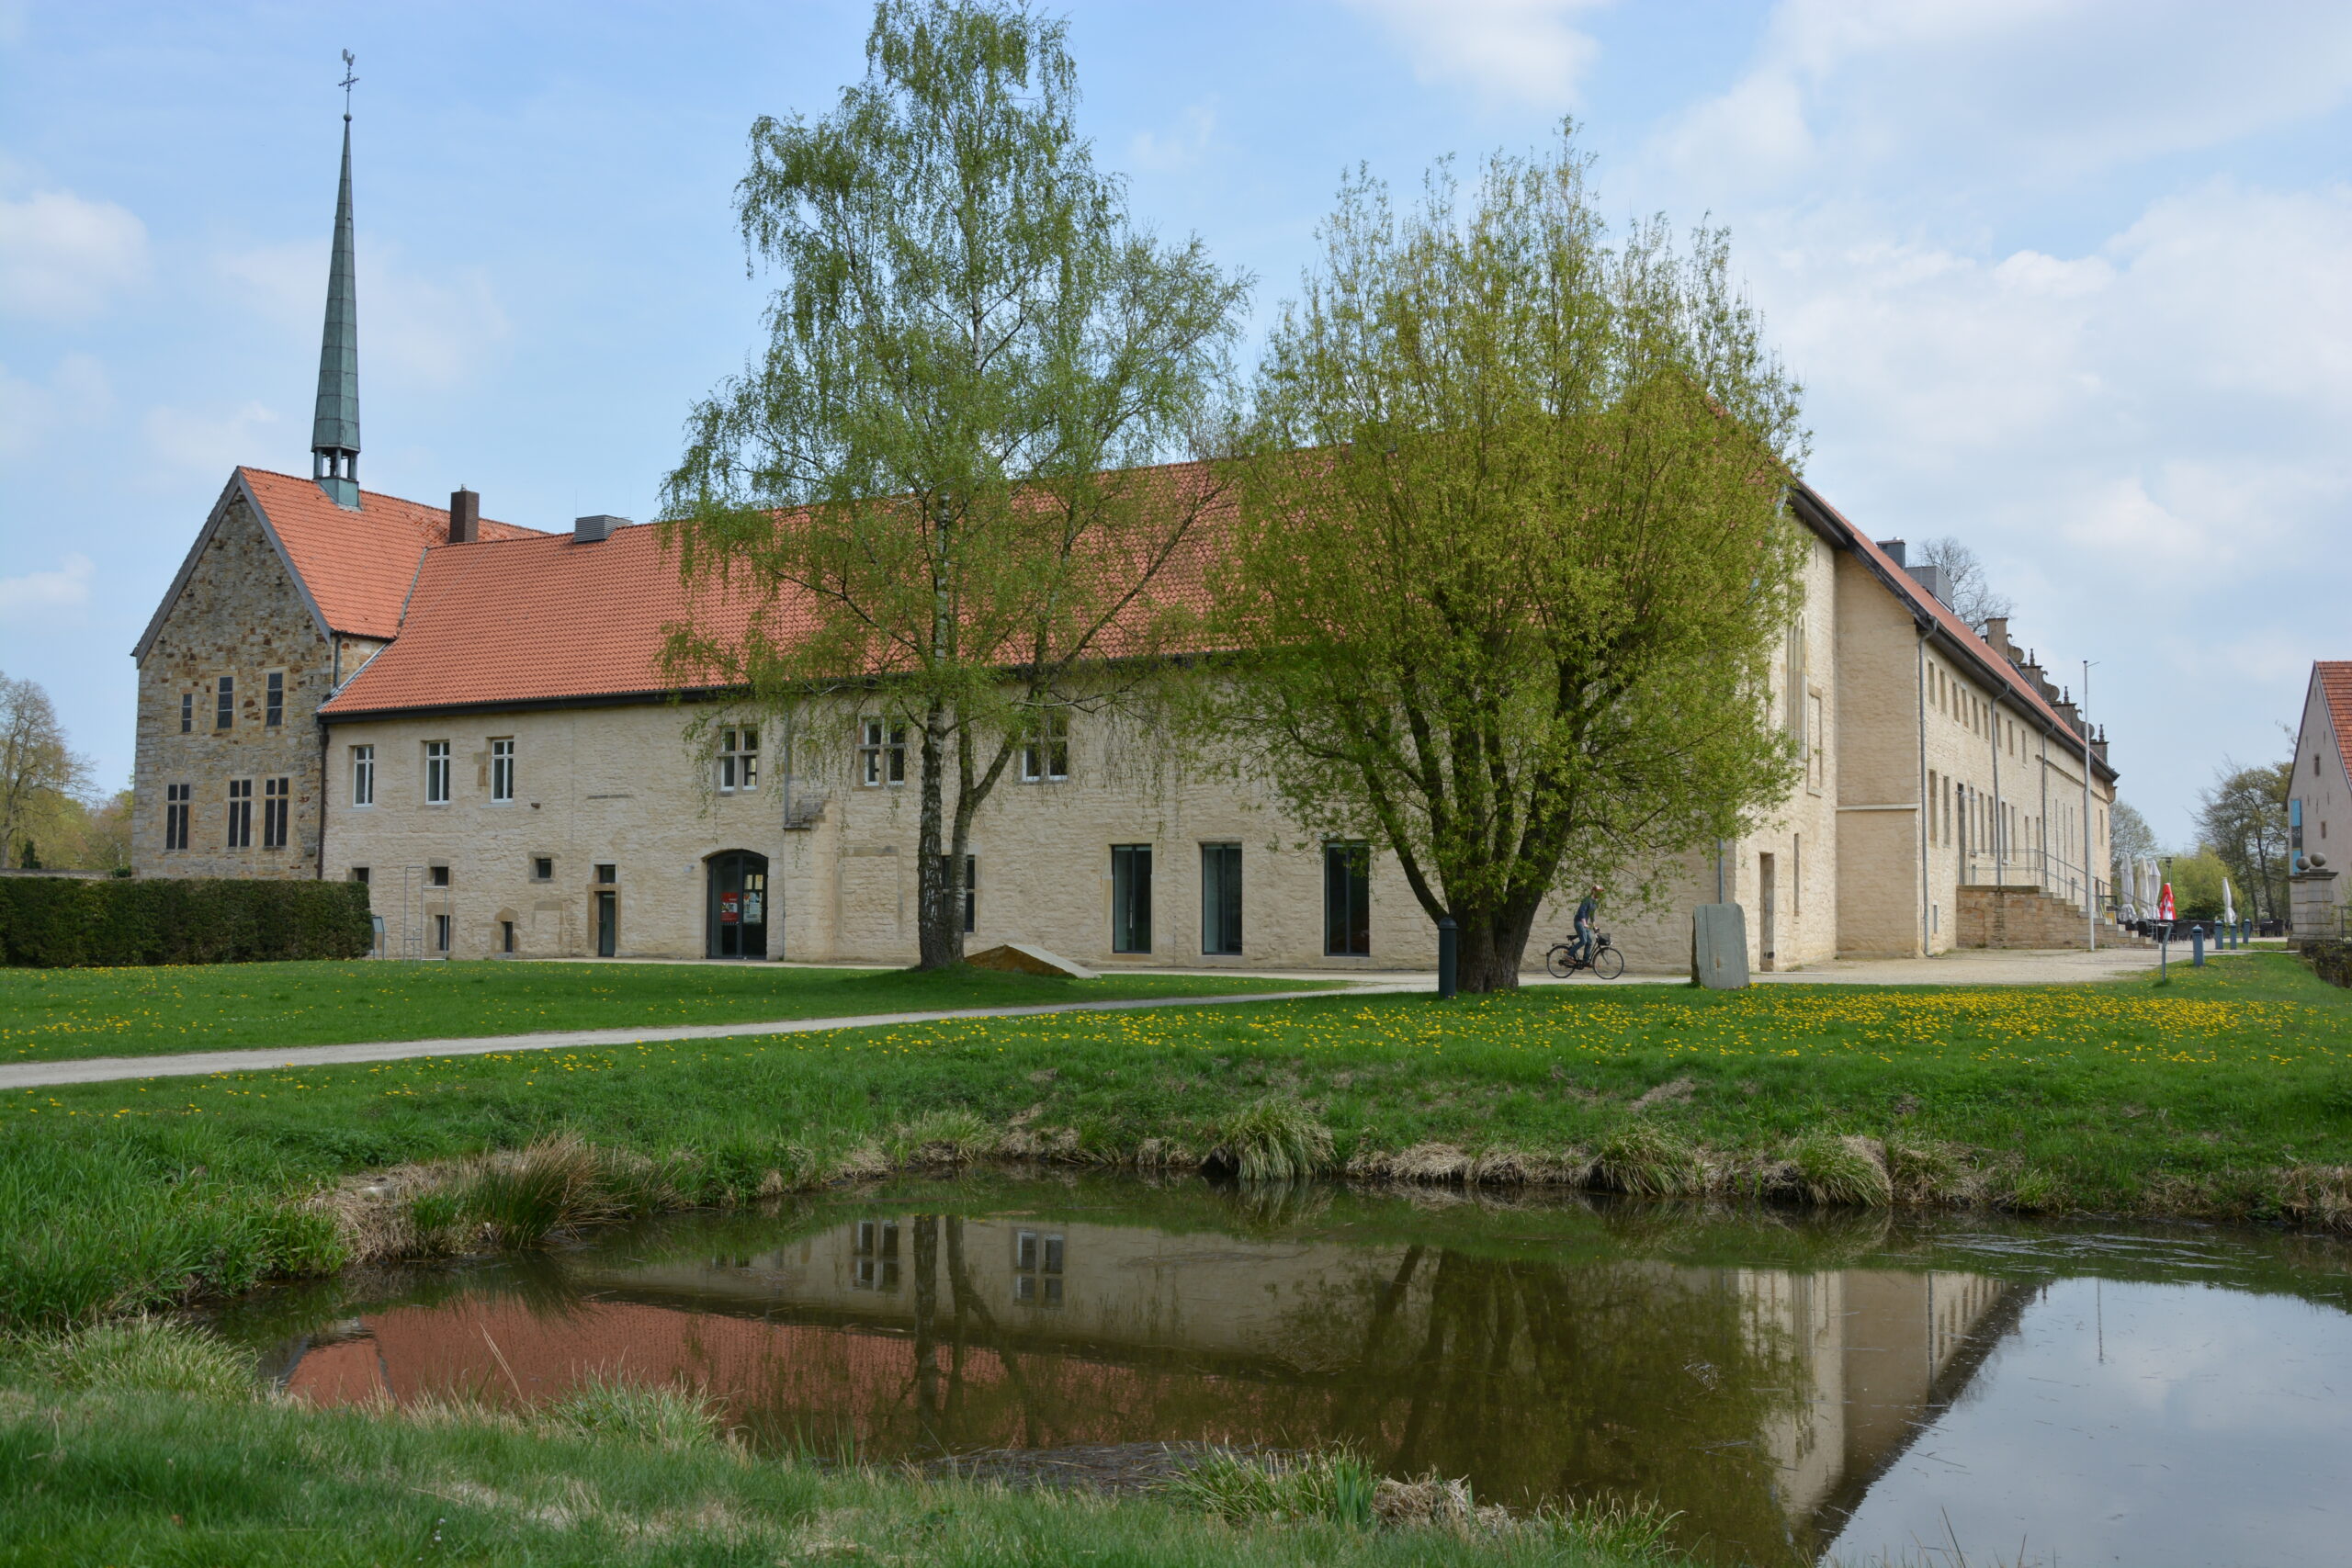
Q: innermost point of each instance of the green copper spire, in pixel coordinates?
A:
(334, 430)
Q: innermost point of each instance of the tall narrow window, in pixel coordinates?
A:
(1221, 899)
(501, 770)
(1131, 898)
(436, 773)
(363, 775)
(882, 754)
(224, 702)
(1346, 898)
(1813, 735)
(241, 813)
(1047, 755)
(277, 806)
(440, 933)
(188, 713)
(274, 698)
(176, 799)
(739, 760)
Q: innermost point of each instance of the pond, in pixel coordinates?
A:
(1801, 1389)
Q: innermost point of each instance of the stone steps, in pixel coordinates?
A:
(2024, 917)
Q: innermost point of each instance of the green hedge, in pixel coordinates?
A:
(66, 922)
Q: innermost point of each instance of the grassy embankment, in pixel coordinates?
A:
(142, 1443)
(55, 1015)
(2226, 1094)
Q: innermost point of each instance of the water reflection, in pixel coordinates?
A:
(1544, 1357)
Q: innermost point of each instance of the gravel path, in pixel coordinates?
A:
(195, 1064)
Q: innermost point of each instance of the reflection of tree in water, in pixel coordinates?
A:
(1541, 1382)
(1538, 1380)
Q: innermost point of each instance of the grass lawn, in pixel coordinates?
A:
(2226, 1093)
(53, 1015)
(141, 1446)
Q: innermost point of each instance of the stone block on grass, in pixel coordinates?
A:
(1026, 958)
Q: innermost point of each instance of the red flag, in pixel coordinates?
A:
(2164, 903)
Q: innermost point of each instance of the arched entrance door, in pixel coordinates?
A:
(739, 905)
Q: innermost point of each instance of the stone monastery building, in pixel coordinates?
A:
(470, 717)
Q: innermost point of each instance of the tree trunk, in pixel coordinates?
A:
(941, 941)
(1491, 946)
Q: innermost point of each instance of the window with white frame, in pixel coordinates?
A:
(436, 773)
(274, 698)
(501, 770)
(224, 702)
(739, 760)
(363, 775)
(881, 753)
(1046, 757)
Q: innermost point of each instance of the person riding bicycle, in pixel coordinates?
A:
(1586, 912)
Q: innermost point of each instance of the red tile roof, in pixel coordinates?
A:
(2335, 678)
(537, 620)
(1952, 626)
(357, 566)
(546, 619)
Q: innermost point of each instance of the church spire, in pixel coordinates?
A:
(334, 429)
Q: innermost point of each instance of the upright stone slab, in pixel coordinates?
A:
(1719, 946)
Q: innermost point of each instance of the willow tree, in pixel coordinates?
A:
(927, 487)
(1511, 560)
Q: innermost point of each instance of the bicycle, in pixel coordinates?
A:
(1604, 960)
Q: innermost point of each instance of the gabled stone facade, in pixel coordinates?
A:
(237, 615)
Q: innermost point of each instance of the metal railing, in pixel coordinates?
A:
(2054, 875)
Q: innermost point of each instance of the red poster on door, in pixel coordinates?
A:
(729, 908)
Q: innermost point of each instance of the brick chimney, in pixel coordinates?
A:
(465, 517)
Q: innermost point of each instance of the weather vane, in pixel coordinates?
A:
(349, 60)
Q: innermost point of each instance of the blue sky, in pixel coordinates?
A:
(2070, 280)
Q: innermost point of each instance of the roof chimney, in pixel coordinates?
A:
(1996, 632)
(1895, 549)
(465, 517)
(595, 530)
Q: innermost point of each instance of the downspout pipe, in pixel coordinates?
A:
(1919, 699)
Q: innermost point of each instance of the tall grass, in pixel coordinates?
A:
(1273, 1139)
(107, 1223)
(141, 1354)
(1334, 1486)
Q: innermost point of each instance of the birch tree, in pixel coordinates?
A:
(1513, 563)
(931, 483)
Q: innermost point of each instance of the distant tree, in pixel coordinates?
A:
(929, 480)
(2197, 885)
(2244, 819)
(2129, 838)
(1972, 597)
(1513, 566)
(40, 776)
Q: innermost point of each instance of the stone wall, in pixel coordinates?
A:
(239, 615)
(2021, 916)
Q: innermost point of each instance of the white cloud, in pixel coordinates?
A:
(1525, 49)
(206, 443)
(1182, 148)
(47, 596)
(415, 330)
(61, 257)
(34, 415)
(2028, 90)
